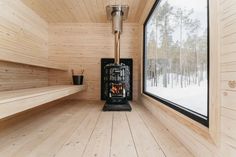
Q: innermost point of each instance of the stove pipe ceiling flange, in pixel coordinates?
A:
(117, 14)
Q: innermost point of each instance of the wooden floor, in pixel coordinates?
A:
(80, 129)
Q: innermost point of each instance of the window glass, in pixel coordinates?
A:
(176, 54)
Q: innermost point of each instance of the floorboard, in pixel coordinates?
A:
(39, 129)
(76, 144)
(80, 129)
(100, 140)
(54, 141)
(170, 145)
(122, 147)
(145, 143)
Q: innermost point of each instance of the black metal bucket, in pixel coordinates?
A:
(78, 79)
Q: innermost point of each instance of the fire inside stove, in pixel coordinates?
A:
(117, 90)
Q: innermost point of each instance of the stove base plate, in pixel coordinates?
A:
(117, 107)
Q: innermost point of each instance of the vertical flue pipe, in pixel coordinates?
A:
(117, 47)
(117, 25)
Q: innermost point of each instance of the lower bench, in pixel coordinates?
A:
(12, 102)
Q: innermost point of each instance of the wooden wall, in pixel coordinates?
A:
(19, 76)
(220, 139)
(23, 34)
(83, 45)
(23, 38)
(228, 76)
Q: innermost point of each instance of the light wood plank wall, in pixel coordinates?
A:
(18, 76)
(23, 36)
(199, 140)
(228, 76)
(83, 45)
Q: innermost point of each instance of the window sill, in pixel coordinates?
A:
(194, 126)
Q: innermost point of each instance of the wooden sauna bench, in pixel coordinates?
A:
(12, 102)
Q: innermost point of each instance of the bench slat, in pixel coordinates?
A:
(12, 102)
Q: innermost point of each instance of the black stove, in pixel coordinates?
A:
(117, 87)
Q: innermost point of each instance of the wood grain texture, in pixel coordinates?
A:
(80, 129)
(169, 145)
(186, 130)
(120, 129)
(82, 46)
(143, 138)
(100, 141)
(25, 116)
(18, 76)
(56, 137)
(23, 36)
(82, 11)
(13, 102)
(23, 39)
(228, 73)
(146, 10)
(77, 142)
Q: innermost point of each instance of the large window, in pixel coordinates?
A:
(176, 67)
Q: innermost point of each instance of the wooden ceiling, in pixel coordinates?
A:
(82, 11)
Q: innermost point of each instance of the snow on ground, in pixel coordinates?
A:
(193, 97)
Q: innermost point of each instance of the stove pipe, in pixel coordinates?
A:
(117, 14)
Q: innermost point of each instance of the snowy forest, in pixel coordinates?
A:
(176, 55)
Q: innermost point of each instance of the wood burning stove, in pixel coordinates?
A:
(125, 61)
(117, 87)
(117, 75)
(117, 83)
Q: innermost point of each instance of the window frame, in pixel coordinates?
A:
(204, 120)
